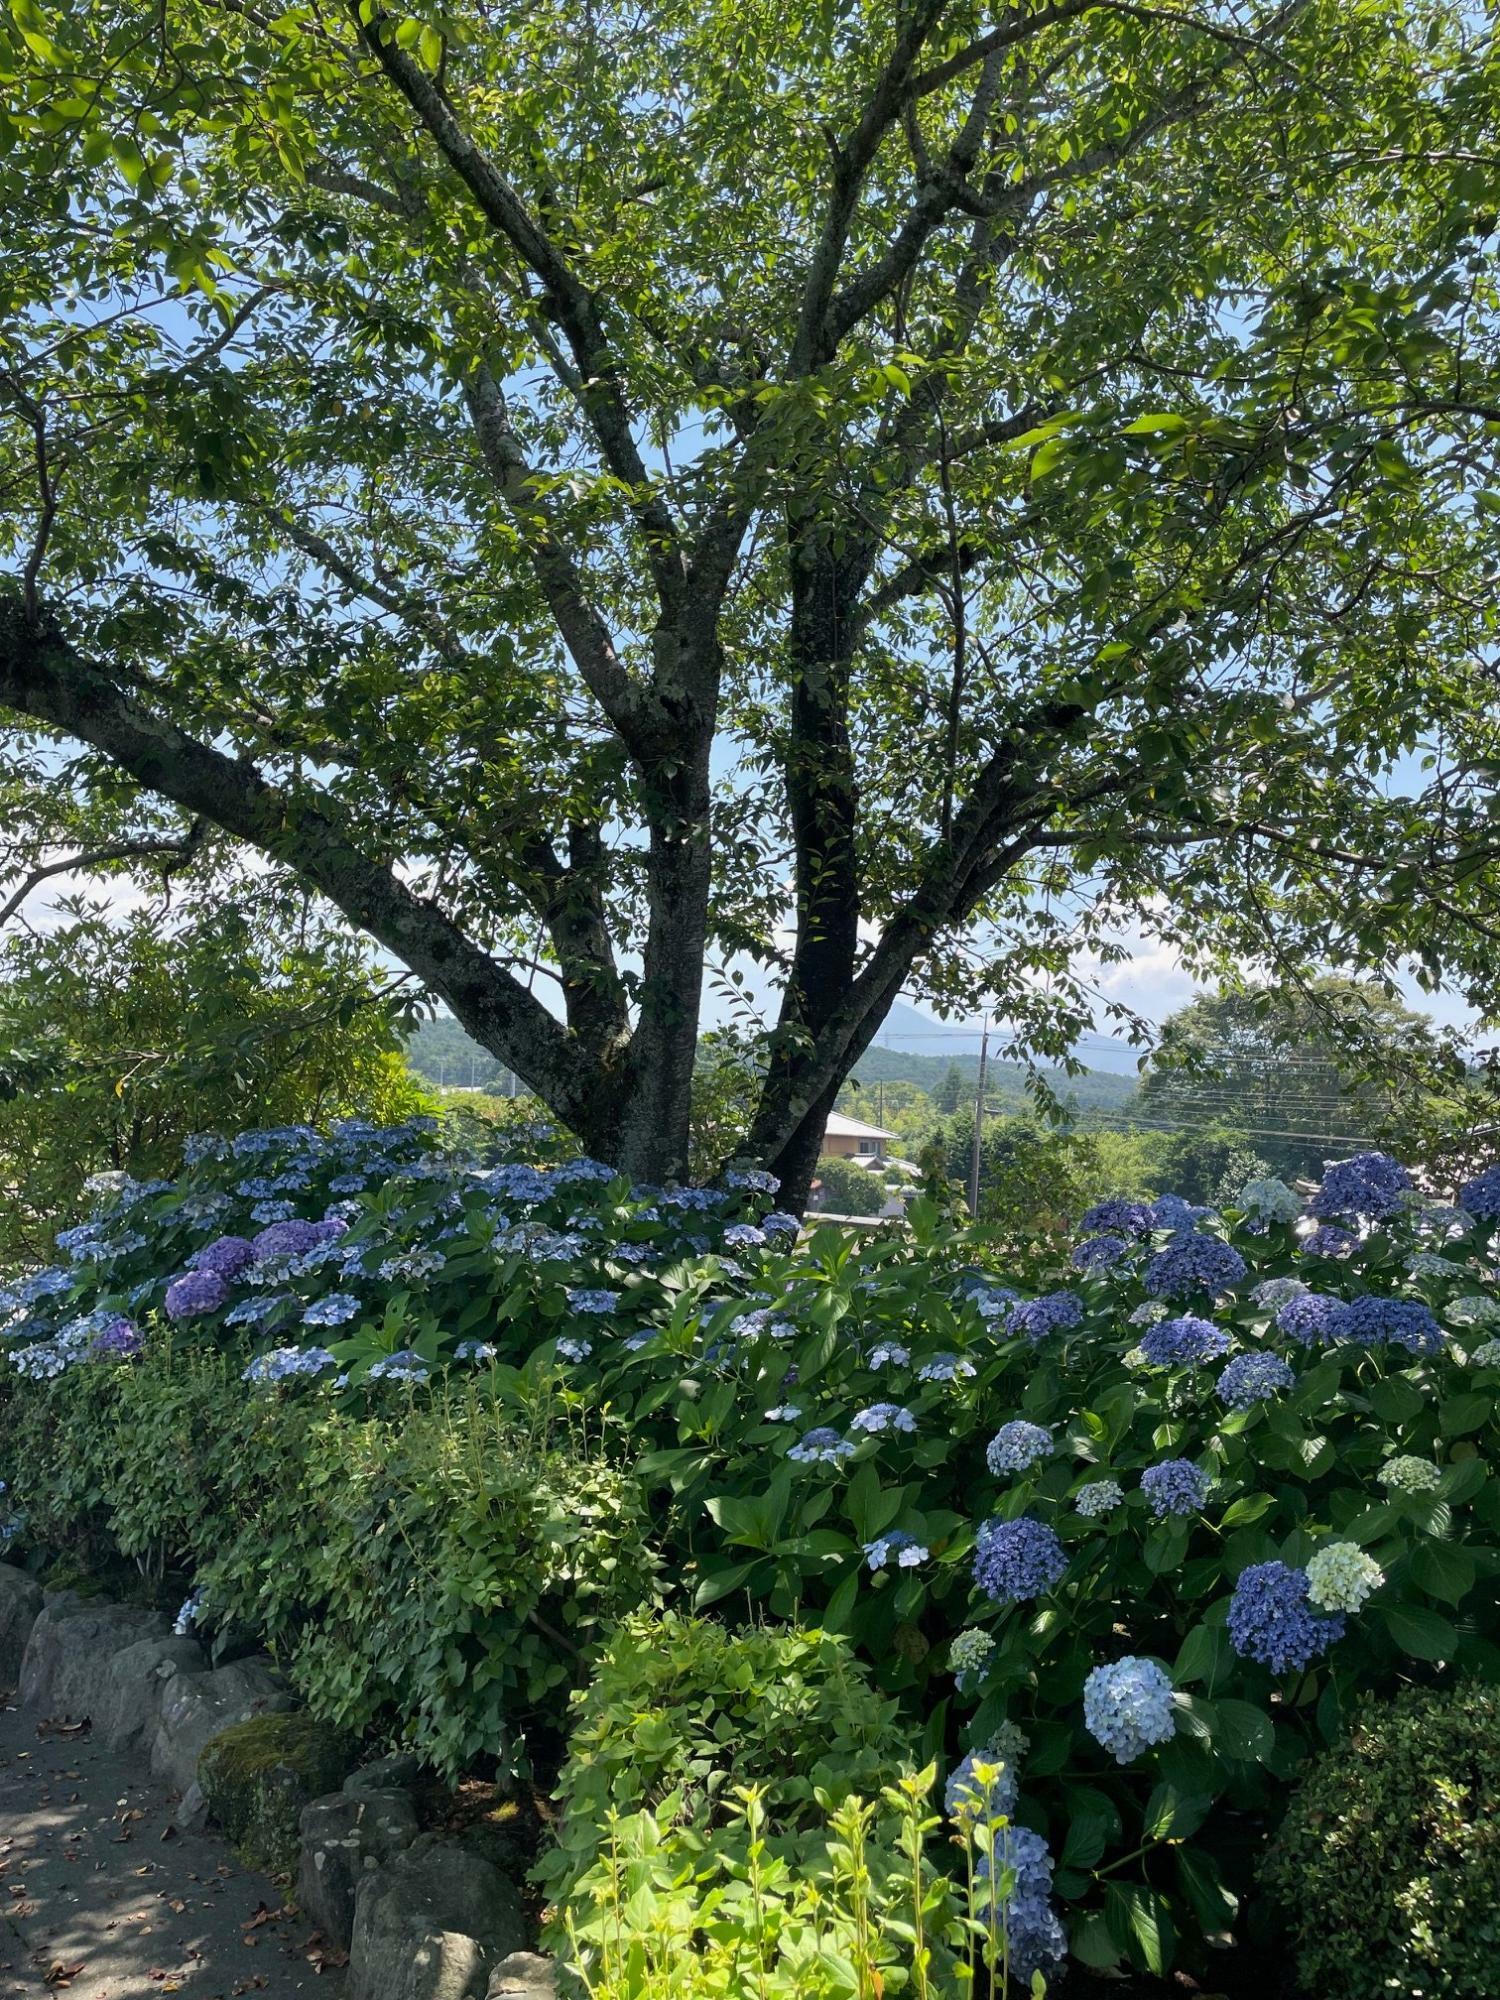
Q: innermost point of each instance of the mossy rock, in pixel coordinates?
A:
(258, 1775)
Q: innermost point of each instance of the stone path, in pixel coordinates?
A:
(99, 1902)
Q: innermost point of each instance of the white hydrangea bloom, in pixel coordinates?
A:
(1270, 1200)
(1341, 1576)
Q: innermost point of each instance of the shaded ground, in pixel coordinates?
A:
(99, 1901)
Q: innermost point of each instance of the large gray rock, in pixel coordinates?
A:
(397, 1772)
(67, 1656)
(129, 1708)
(345, 1837)
(195, 1708)
(523, 1976)
(432, 1925)
(20, 1603)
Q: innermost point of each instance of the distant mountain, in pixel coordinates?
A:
(1091, 1090)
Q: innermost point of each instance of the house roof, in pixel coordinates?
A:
(840, 1127)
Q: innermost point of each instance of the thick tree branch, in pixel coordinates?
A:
(179, 850)
(577, 310)
(44, 677)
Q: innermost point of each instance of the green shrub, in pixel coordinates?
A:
(681, 1711)
(435, 1573)
(1387, 1866)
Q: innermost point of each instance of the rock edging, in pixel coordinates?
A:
(422, 1918)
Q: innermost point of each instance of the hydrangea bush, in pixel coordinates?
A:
(1222, 1473)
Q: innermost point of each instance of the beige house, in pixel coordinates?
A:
(846, 1139)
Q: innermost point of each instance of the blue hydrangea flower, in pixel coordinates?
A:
(1274, 1292)
(784, 1413)
(1254, 1378)
(945, 1368)
(1371, 1322)
(1369, 1186)
(778, 1223)
(1271, 1621)
(1175, 1486)
(278, 1210)
(332, 1310)
(1035, 1318)
(1480, 1197)
(883, 1417)
(1117, 1215)
(983, 1785)
(907, 1550)
(752, 1180)
(1183, 1342)
(474, 1350)
(1015, 1560)
(1099, 1497)
(1308, 1319)
(1017, 1447)
(584, 1300)
(251, 1312)
(189, 1612)
(888, 1354)
(1035, 1939)
(1194, 1263)
(282, 1364)
(1127, 1707)
(1100, 1253)
(194, 1294)
(403, 1366)
(1270, 1200)
(821, 1447)
(572, 1349)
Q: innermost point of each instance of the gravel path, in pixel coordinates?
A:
(101, 1902)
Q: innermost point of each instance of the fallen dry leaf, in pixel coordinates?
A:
(51, 1725)
(59, 1974)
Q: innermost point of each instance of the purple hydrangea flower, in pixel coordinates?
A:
(118, 1336)
(1034, 1937)
(1369, 1185)
(1100, 1253)
(1480, 1197)
(1193, 1263)
(1270, 1620)
(1182, 1342)
(1014, 1560)
(286, 1239)
(228, 1255)
(1176, 1486)
(1170, 1211)
(195, 1293)
(1328, 1240)
(1117, 1216)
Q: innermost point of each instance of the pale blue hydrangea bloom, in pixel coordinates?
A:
(883, 1417)
(889, 1354)
(1341, 1576)
(334, 1310)
(474, 1350)
(945, 1368)
(1473, 1309)
(404, 1366)
(583, 1299)
(283, 1364)
(1487, 1355)
(1270, 1200)
(821, 1447)
(907, 1550)
(1127, 1707)
(1015, 1560)
(784, 1413)
(572, 1349)
(1017, 1447)
(1274, 1292)
(1100, 1496)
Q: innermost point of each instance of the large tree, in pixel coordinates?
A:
(888, 490)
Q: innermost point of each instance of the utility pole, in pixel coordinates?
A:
(880, 1097)
(984, 1050)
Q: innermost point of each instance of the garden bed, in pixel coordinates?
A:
(1141, 1530)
